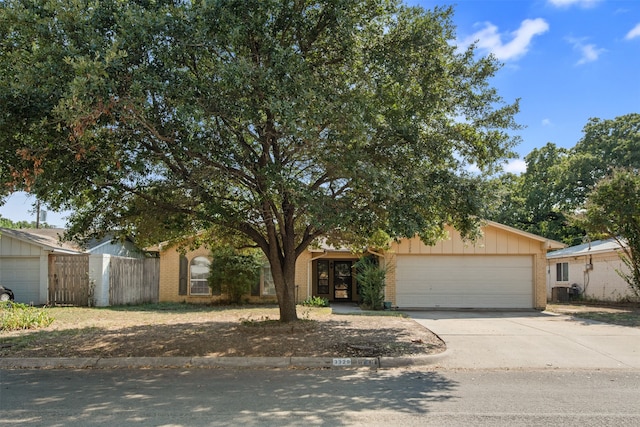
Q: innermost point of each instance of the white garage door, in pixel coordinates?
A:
(22, 276)
(464, 281)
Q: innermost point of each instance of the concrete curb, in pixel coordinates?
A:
(400, 362)
(218, 362)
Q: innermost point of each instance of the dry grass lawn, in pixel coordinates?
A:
(186, 330)
(623, 315)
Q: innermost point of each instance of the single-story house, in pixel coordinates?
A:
(26, 254)
(592, 267)
(505, 269)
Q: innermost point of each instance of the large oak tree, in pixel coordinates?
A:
(280, 121)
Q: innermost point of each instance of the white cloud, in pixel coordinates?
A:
(568, 3)
(516, 166)
(589, 52)
(635, 32)
(546, 122)
(489, 39)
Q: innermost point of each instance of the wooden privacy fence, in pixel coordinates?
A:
(133, 281)
(69, 279)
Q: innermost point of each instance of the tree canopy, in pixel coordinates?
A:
(531, 201)
(545, 198)
(280, 121)
(607, 144)
(613, 211)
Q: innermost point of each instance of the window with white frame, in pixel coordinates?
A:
(562, 272)
(199, 275)
(265, 285)
(268, 285)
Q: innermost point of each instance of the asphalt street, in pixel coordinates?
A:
(289, 397)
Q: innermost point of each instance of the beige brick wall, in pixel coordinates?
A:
(170, 276)
(540, 281)
(303, 274)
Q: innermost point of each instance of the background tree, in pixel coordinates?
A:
(7, 223)
(555, 185)
(532, 201)
(508, 207)
(278, 121)
(613, 211)
(607, 144)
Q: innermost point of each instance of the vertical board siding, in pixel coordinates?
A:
(69, 280)
(133, 281)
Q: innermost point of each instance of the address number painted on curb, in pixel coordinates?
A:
(342, 362)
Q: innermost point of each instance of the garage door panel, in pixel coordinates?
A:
(22, 276)
(464, 281)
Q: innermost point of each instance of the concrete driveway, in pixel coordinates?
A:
(486, 340)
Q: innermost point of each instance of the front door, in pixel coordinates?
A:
(342, 280)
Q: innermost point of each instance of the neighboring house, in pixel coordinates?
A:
(504, 269)
(26, 258)
(592, 267)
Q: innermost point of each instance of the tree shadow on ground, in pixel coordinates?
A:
(213, 397)
(629, 318)
(337, 338)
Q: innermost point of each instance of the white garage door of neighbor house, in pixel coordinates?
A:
(22, 276)
(481, 281)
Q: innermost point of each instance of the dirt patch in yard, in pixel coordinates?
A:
(622, 314)
(180, 330)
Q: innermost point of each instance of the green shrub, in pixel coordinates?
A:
(233, 273)
(371, 281)
(15, 316)
(315, 302)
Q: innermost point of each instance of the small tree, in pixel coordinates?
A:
(371, 280)
(233, 273)
(613, 210)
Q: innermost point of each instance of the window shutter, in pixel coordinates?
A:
(184, 275)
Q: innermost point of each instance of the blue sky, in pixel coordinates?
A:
(567, 61)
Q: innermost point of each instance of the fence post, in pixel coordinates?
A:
(99, 278)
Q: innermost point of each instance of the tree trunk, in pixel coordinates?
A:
(288, 304)
(284, 273)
